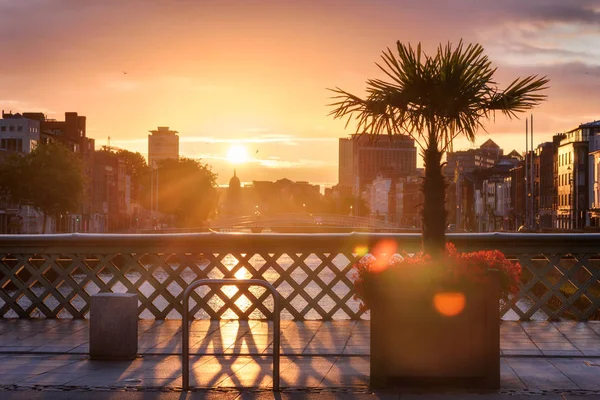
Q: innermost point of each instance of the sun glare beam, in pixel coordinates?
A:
(237, 154)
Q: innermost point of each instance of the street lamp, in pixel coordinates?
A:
(154, 193)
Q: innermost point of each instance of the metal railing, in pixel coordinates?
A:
(292, 219)
(53, 276)
(185, 333)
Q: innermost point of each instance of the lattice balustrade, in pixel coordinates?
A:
(55, 275)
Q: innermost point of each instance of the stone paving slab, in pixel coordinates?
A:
(78, 395)
(300, 372)
(51, 354)
(540, 338)
(252, 395)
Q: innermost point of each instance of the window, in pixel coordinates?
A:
(3, 128)
(11, 128)
(12, 144)
(19, 128)
(32, 144)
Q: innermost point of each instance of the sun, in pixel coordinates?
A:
(237, 154)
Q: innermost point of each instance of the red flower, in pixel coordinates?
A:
(452, 268)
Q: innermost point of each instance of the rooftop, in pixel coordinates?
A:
(163, 130)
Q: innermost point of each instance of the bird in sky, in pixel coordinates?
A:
(125, 73)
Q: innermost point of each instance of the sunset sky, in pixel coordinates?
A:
(255, 73)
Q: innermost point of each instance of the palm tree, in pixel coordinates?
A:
(434, 99)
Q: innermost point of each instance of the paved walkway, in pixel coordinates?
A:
(331, 359)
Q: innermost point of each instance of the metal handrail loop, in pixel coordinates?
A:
(185, 345)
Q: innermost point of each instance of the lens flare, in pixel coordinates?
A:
(449, 304)
(361, 250)
(383, 253)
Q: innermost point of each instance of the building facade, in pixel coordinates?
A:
(71, 132)
(18, 133)
(593, 133)
(462, 207)
(163, 144)
(363, 157)
(111, 199)
(572, 179)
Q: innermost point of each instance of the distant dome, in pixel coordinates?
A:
(234, 182)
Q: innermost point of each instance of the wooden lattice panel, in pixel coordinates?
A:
(50, 277)
(61, 285)
(557, 286)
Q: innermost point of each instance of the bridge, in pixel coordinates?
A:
(305, 222)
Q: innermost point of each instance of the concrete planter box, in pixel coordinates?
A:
(113, 326)
(414, 345)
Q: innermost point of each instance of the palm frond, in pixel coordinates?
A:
(521, 95)
(434, 99)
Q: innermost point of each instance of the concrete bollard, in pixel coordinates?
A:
(113, 326)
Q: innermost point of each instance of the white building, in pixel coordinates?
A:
(395, 199)
(494, 206)
(379, 199)
(18, 134)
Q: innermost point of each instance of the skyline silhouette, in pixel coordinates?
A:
(255, 74)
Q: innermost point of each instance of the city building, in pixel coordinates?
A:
(543, 180)
(593, 133)
(572, 179)
(492, 210)
(233, 197)
(458, 171)
(163, 144)
(346, 163)
(23, 132)
(18, 134)
(362, 157)
(466, 161)
(395, 199)
(71, 133)
(518, 196)
(384, 202)
(111, 200)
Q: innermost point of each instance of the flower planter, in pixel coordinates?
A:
(415, 345)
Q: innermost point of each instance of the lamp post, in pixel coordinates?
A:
(154, 194)
(576, 198)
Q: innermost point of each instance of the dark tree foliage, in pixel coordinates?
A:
(186, 190)
(50, 178)
(139, 171)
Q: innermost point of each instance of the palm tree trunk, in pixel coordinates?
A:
(434, 210)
